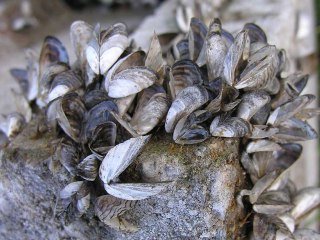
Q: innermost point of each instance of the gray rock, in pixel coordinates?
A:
(198, 204)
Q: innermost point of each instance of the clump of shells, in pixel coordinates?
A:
(208, 83)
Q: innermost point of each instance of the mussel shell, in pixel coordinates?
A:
(74, 200)
(92, 50)
(130, 81)
(90, 78)
(185, 73)
(197, 35)
(265, 163)
(291, 88)
(131, 60)
(263, 228)
(106, 47)
(154, 58)
(262, 131)
(306, 233)
(113, 43)
(48, 76)
(216, 50)
(70, 189)
(201, 61)
(120, 157)
(125, 104)
(307, 113)
(230, 127)
(262, 146)
(68, 153)
(285, 223)
(189, 131)
(230, 106)
(195, 134)
(70, 114)
(153, 104)
(262, 185)
(214, 28)
(305, 201)
(182, 48)
(236, 56)
(188, 100)
(229, 98)
(262, 67)
(215, 88)
(103, 138)
(256, 34)
(88, 168)
(99, 114)
(262, 163)
(63, 83)
(274, 197)
(52, 52)
(94, 97)
(229, 94)
(273, 86)
(272, 209)
(251, 103)
(135, 191)
(80, 35)
(186, 132)
(228, 37)
(294, 130)
(283, 64)
(261, 116)
(288, 154)
(256, 46)
(109, 207)
(251, 167)
(289, 109)
(83, 199)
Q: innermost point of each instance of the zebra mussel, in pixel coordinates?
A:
(107, 105)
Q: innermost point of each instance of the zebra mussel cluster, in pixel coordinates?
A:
(207, 83)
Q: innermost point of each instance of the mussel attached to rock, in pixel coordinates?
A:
(210, 84)
(188, 100)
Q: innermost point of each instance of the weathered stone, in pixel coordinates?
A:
(28, 193)
(198, 204)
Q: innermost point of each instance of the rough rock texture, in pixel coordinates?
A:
(199, 204)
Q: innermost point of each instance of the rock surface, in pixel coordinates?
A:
(198, 204)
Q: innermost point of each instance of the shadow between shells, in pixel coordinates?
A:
(207, 83)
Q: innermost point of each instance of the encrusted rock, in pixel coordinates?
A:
(199, 203)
